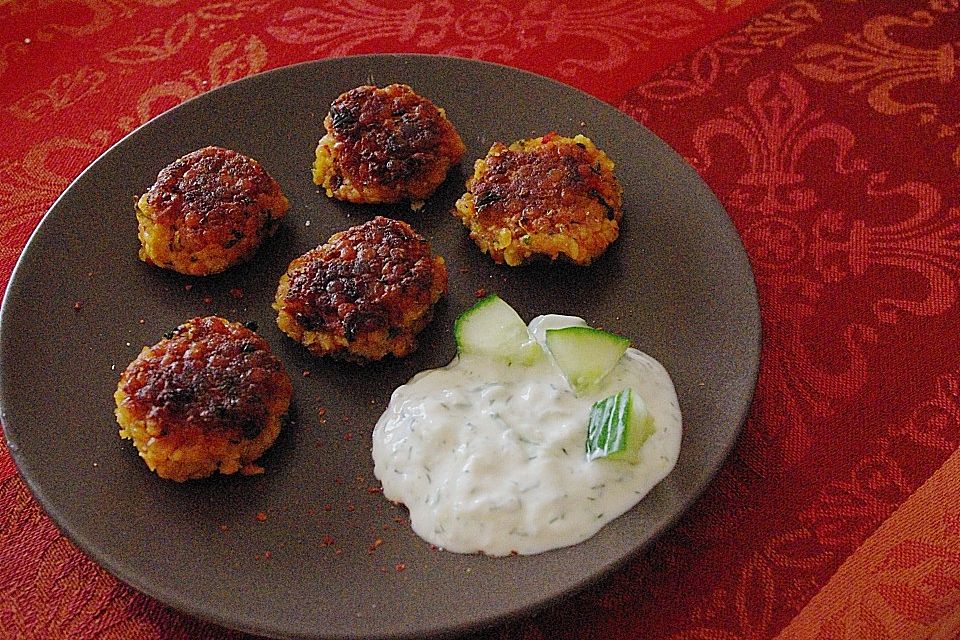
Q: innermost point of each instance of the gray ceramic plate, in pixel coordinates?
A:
(677, 283)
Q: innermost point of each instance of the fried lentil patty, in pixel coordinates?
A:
(549, 197)
(385, 145)
(208, 397)
(208, 211)
(364, 294)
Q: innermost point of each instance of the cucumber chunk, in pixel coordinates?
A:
(618, 427)
(492, 328)
(584, 354)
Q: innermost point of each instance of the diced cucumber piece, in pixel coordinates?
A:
(492, 328)
(584, 354)
(618, 427)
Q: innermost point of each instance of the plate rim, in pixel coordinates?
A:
(185, 605)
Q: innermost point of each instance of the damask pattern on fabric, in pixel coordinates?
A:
(827, 136)
(829, 130)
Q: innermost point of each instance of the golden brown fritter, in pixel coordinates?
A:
(208, 211)
(365, 293)
(552, 197)
(208, 397)
(385, 145)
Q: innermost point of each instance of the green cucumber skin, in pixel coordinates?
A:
(491, 327)
(618, 428)
(584, 354)
(461, 322)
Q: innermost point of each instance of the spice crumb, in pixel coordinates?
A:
(376, 544)
(351, 508)
(261, 516)
(400, 567)
(141, 321)
(207, 299)
(374, 490)
(78, 305)
(306, 374)
(187, 287)
(480, 293)
(338, 552)
(464, 270)
(236, 293)
(224, 528)
(267, 555)
(328, 507)
(328, 540)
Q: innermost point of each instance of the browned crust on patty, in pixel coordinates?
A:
(388, 145)
(550, 196)
(216, 206)
(364, 293)
(211, 374)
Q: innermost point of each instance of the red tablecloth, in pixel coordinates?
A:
(831, 132)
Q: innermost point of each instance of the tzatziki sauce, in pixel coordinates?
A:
(490, 457)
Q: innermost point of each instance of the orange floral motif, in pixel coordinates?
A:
(616, 29)
(29, 186)
(799, 393)
(76, 592)
(926, 243)
(936, 422)
(8, 51)
(157, 44)
(889, 71)
(847, 511)
(99, 15)
(620, 27)
(775, 134)
(696, 76)
(720, 6)
(945, 6)
(164, 42)
(778, 27)
(876, 63)
(918, 581)
(63, 92)
(345, 27)
(903, 583)
(226, 66)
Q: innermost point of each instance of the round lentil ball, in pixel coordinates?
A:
(549, 198)
(208, 397)
(384, 146)
(364, 294)
(208, 211)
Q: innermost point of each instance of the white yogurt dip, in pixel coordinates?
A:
(491, 458)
